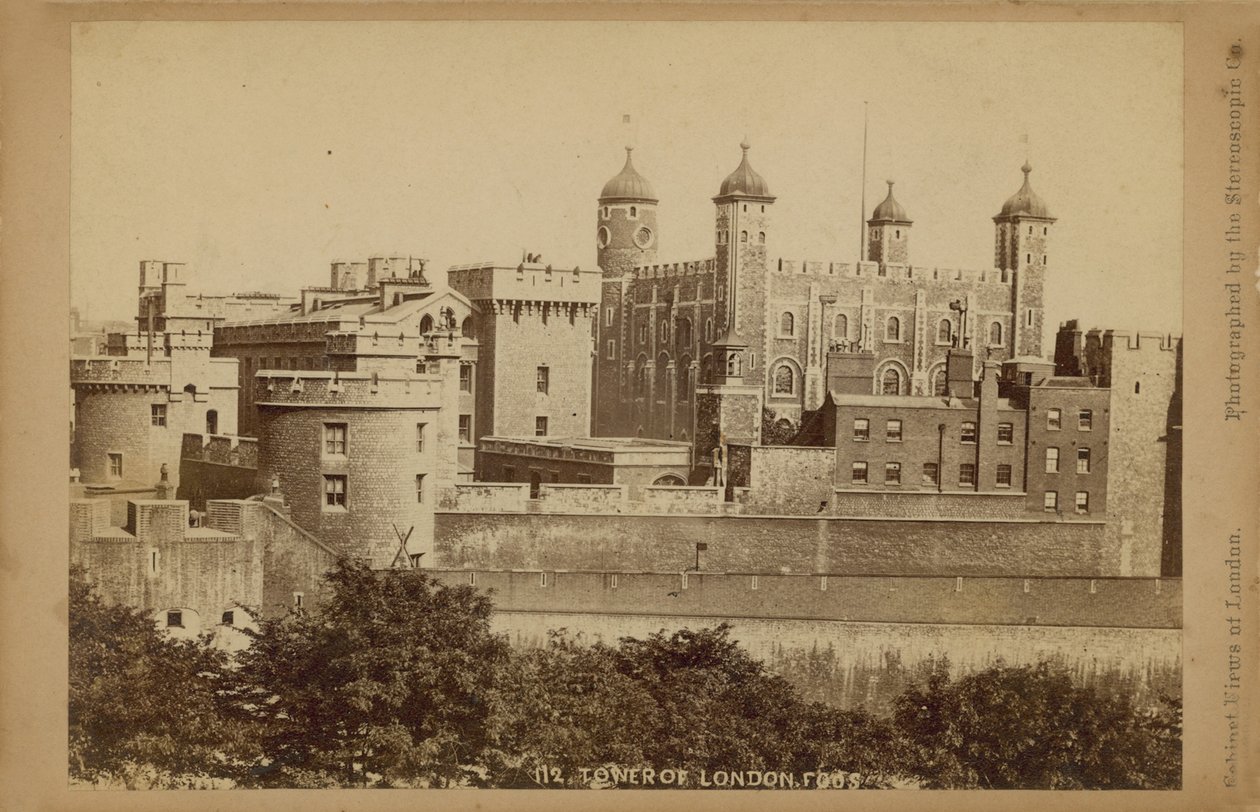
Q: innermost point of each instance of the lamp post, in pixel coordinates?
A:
(960, 307)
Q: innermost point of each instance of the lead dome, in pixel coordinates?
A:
(628, 184)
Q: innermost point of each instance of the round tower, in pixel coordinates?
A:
(889, 232)
(626, 233)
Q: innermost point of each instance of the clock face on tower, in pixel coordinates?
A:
(603, 237)
(643, 237)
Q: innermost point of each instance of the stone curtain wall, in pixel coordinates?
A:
(1119, 602)
(217, 467)
(855, 663)
(772, 544)
(893, 505)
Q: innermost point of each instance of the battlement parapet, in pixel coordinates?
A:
(893, 272)
(123, 371)
(255, 332)
(526, 282)
(347, 390)
(670, 269)
(220, 449)
(376, 343)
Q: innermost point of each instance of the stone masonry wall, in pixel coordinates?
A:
(773, 544)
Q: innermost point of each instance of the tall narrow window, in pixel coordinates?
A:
(611, 351)
(608, 316)
(465, 428)
(995, 334)
(335, 439)
(784, 380)
(892, 329)
(420, 488)
(1052, 460)
(890, 382)
(157, 414)
(540, 427)
(212, 422)
(543, 380)
(1085, 421)
(967, 475)
(420, 429)
(115, 465)
(465, 377)
(1082, 460)
(787, 324)
(944, 331)
(334, 491)
(841, 328)
(1082, 501)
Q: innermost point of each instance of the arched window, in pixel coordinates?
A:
(640, 377)
(841, 328)
(664, 329)
(734, 365)
(995, 334)
(686, 380)
(634, 211)
(426, 324)
(890, 382)
(761, 237)
(892, 329)
(662, 377)
(708, 330)
(784, 380)
(944, 331)
(466, 329)
(787, 324)
(938, 382)
(682, 332)
(743, 236)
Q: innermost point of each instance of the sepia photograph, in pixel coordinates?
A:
(625, 406)
(694, 406)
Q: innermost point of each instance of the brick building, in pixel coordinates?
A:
(659, 323)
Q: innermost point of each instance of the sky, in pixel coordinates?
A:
(260, 152)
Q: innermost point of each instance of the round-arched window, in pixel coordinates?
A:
(892, 329)
(890, 382)
(784, 380)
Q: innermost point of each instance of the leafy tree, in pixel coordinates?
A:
(145, 710)
(776, 430)
(394, 682)
(571, 708)
(1031, 727)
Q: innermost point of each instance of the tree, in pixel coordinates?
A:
(145, 710)
(395, 682)
(776, 430)
(1031, 727)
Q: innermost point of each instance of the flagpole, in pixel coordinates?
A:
(862, 218)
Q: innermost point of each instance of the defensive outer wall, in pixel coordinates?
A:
(841, 637)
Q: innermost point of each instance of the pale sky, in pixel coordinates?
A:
(260, 152)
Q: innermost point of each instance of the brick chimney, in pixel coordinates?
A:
(958, 380)
(850, 373)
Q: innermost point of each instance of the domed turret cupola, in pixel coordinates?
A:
(1022, 246)
(626, 232)
(888, 239)
(744, 181)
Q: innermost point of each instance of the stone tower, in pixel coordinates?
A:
(1022, 238)
(625, 237)
(889, 232)
(742, 230)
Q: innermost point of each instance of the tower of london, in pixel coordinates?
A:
(660, 322)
